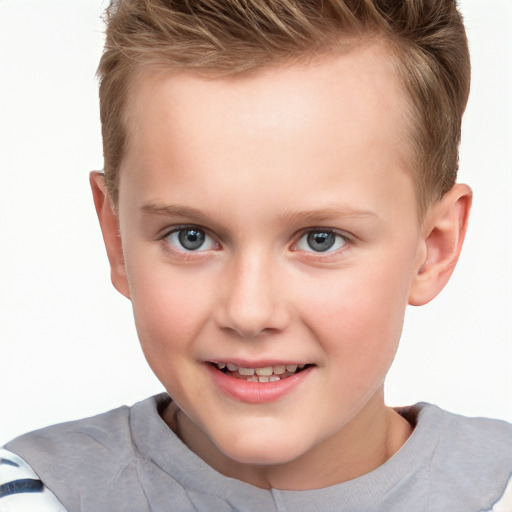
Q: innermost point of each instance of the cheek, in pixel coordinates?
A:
(358, 315)
(169, 308)
(168, 319)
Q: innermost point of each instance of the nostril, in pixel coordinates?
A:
(247, 332)
(250, 305)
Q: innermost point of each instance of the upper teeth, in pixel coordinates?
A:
(265, 371)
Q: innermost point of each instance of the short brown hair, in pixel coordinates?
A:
(236, 36)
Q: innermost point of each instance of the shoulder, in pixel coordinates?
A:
(470, 456)
(21, 489)
(476, 438)
(104, 437)
(92, 453)
(471, 440)
(104, 432)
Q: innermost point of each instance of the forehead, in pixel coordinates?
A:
(363, 71)
(340, 114)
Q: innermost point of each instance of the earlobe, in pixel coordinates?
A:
(444, 232)
(109, 224)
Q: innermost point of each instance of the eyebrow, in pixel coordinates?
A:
(175, 210)
(326, 214)
(290, 216)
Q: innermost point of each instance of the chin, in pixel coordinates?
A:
(262, 450)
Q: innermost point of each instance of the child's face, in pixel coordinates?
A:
(269, 221)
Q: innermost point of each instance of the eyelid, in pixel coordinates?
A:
(183, 251)
(348, 240)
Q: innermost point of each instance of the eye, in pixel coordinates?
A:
(190, 239)
(321, 240)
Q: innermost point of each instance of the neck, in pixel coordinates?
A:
(369, 440)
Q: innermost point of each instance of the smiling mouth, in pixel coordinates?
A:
(264, 374)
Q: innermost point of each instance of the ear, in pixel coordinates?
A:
(444, 231)
(109, 223)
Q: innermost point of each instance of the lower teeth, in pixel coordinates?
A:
(262, 378)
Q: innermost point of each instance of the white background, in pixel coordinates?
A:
(68, 345)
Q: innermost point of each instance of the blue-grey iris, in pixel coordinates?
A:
(191, 238)
(321, 241)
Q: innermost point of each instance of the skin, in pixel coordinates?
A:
(257, 163)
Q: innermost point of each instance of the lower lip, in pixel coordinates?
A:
(257, 392)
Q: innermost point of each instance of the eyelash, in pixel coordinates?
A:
(328, 253)
(184, 253)
(325, 254)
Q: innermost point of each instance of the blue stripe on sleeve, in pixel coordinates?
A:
(24, 485)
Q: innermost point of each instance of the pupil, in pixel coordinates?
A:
(191, 239)
(321, 241)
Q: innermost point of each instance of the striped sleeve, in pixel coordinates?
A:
(21, 490)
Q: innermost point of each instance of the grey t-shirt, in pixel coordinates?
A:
(129, 460)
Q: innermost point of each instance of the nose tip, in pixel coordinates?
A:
(250, 321)
(252, 305)
(252, 314)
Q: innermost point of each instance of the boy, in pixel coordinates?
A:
(279, 184)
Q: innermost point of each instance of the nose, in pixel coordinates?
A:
(253, 301)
